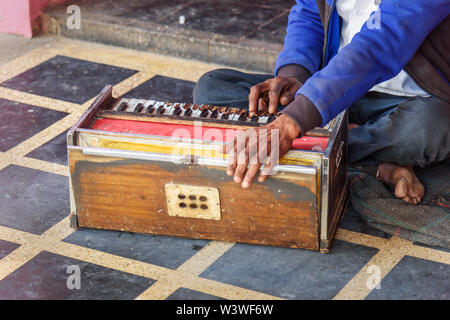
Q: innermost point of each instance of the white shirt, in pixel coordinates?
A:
(354, 14)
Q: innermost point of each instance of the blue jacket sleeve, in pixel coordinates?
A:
(303, 43)
(374, 55)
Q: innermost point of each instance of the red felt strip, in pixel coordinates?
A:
(193, 132)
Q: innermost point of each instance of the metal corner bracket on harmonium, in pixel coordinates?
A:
(132, 169)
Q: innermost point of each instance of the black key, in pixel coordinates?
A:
(122, 106)
(161, 109)
(271, 118)
(243, 117)
(214, 114)
(224, 116)
(176, 111)
(254, 118)
(150, 109)
(204, 113)
(139, 107)
(188, 112)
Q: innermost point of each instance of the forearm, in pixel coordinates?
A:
(304, 113)
(294, 70)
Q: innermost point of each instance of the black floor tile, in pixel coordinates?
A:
(415, 279)
(276, 4)
(232, 18)
(53, 151)
(6, 248)
(150, 10)
(68, 79)
(32, 200)
(188, 294)
(354, 221)
(19, 122)
(169, 252)
(164, 89)
(46, 276)
(290, 273)
(274, 31)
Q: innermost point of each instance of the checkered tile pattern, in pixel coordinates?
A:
(43, 94)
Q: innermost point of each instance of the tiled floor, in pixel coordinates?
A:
(168, 252)
(43, 93)
(186, 294)
(6, 248)
(66, 79)
(46, 276)
(32, 200)
(163, 88)
(53, 151)
(414, 278)
(291, 273)
(21, 121)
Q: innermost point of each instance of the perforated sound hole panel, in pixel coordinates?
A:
(192, 201)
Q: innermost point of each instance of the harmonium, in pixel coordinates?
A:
(153, 167)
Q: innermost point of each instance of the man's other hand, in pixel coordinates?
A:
(252, 148)
(267, 95)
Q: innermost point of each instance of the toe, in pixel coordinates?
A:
(407, 199)
(401, 188)
(418, 199)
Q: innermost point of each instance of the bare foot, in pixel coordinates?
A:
(407, 186)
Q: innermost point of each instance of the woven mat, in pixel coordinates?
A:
(427, 222)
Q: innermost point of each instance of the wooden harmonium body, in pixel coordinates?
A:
(152, 167)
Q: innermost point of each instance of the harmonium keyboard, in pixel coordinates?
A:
(153, 167)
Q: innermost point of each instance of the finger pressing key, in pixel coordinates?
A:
(288, 95)
(254, 96)
(262, 104)
(274, 95)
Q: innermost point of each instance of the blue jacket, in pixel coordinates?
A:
(373, 56)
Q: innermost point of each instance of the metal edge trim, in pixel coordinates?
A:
(334, 132)
(180, 159)
(162, 138)
(324, 198)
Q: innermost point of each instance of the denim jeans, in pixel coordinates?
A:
(404, 130)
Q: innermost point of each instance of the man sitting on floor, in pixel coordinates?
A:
(386, 61)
